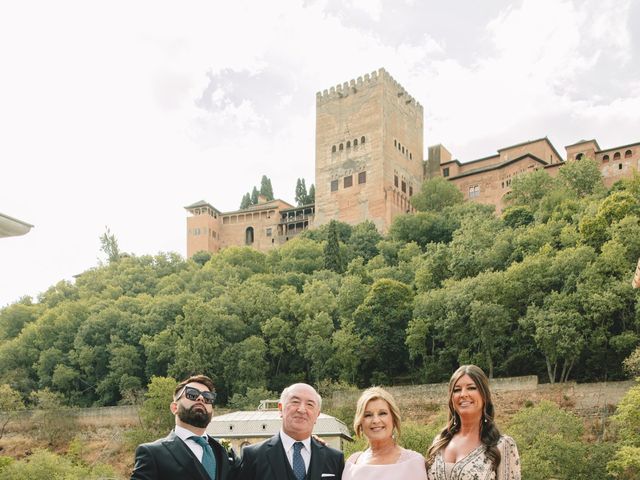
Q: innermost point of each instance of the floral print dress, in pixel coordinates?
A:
(477, 466)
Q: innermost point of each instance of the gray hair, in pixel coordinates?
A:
(286, 393)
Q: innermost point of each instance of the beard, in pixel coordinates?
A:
(193, 417)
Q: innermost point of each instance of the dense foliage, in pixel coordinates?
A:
(543, 289)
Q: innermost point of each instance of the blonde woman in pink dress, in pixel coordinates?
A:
(470, 447)
(378, 419)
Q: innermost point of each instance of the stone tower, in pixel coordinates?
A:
(369, 151)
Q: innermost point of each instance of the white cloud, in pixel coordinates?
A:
(122, 113)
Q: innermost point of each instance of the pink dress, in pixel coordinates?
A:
(410, 466)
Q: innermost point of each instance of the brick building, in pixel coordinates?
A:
(370, 161)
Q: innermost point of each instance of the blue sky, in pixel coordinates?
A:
(121, 113)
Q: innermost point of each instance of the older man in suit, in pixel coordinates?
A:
(187, 453)
(292, 454)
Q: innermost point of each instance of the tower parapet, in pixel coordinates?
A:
(351, 87)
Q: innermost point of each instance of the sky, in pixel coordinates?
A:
(119, 114)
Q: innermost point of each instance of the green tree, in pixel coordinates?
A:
(14, 317)
(625, 465)
(436, 194)
(490, 323)
(530, 188)
(384, 314)
(421, 227)
(251, 400)
(45, 464)
(550, 446)
(632, 363)
(301, 197)
(109, 246)
(10, 405)
(364, 240)
(332, 256)
(254, 196)
(246, 201)
(311, 197)
(627, 418)
(582, 176)
(154, 412)
(558, 332)
(517, 216)
(265, 188)
(245, 365)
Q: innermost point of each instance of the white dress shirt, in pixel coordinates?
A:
(287, 443)
(184, 434)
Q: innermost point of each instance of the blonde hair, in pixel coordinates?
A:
(375, 393)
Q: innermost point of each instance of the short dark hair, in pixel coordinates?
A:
(203, 379)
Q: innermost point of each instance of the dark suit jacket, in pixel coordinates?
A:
(170, 459)
(268, 461)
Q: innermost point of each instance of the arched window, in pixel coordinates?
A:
(248, 236)
(402, 149)
(362, 139)
(579, 156)
(333, 149)
(627, 154)
(348, 143)
(605, 159)
(395, 142)
(616, 156)
(355, 142)
(341, 146)
(410, 156)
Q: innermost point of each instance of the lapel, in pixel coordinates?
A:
(276, 456)
(318, 454)
(183, 456)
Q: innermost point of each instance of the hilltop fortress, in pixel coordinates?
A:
(370, 162)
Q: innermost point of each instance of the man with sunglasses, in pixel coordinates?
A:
(187, 452)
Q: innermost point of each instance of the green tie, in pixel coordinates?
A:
(208, 459)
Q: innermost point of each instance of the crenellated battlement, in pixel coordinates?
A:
(370, 79)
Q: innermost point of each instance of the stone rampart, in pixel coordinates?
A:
(352, 86)
(510, 394)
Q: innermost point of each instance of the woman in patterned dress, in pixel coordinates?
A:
(378, 419)
(470, 447)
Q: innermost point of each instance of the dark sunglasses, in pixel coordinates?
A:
(192, 394)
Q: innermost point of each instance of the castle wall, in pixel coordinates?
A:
(618, 163)
(491, 186)
(203, 231)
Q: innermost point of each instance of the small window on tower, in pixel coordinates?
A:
(362, 177)
(445, 172)
(362, 139)
(334, 185)
(355, 142)
(333, 149)
(404, 187)
(348, 181)
(348, 143)
(341, 146)
(395, 181)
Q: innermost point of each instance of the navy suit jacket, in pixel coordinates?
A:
(267, 461)
(170, 459)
